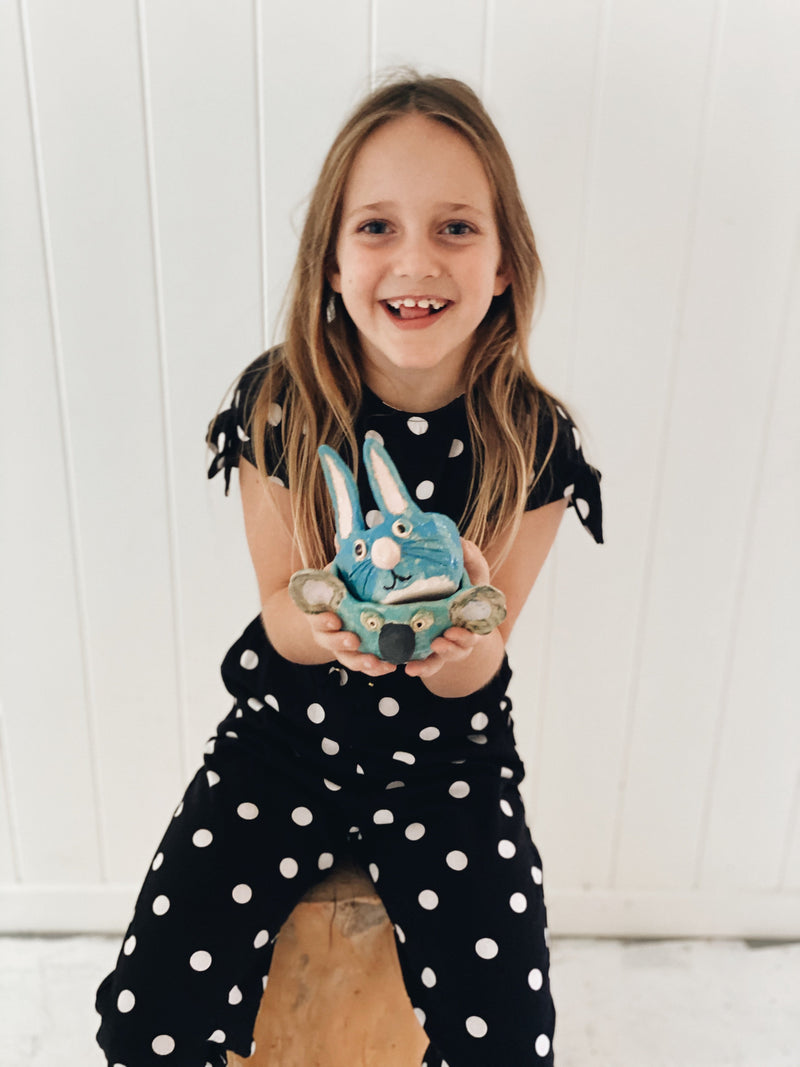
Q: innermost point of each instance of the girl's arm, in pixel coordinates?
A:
(296, 636)
(462, 662)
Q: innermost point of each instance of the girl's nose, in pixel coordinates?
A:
(417, 258)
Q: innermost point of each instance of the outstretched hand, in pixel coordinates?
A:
(343, 645)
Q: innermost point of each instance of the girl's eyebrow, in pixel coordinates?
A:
(389, 205)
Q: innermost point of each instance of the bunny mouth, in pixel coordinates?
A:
(395, 579)
(421, 589)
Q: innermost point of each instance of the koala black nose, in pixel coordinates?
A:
(396, 642)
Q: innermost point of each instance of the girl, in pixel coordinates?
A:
(411, 304)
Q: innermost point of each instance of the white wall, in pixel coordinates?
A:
(156, 157)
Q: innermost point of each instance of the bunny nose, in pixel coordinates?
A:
(385, 553)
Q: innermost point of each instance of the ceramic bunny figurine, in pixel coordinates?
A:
(401, 582)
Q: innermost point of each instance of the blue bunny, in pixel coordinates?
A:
(399, 583)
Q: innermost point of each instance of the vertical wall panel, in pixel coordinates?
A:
(95, 182)
(44, 701)
(446, 37)
(741, 258)
(205, 192)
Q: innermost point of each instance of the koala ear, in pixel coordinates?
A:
(390, 493)
(343, 491)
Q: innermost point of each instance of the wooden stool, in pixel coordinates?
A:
(335, 996)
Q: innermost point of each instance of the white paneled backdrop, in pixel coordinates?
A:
(156, 157)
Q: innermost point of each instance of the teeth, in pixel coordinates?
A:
(424, 302)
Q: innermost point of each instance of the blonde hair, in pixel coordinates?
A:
(316, 371)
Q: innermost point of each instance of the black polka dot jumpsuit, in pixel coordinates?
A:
(314, 764)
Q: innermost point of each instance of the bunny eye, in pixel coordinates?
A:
(423, 620)
(360, 550)
(401, 528)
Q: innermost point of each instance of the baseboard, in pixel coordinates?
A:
(89, 909)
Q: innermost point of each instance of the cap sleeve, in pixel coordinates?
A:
(228, 434)
(566, 473)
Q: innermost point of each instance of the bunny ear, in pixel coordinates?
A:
(343, 491)
(390, 493)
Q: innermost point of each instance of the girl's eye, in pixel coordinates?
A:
(458, 229)
(374, 226)
(400, 528)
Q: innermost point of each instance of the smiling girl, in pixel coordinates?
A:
(412, 299)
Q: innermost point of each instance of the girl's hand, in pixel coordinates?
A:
(328, 633)
(456, 643)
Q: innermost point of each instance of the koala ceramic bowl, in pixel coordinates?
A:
(400, 583)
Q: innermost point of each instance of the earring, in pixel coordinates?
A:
(330, 310)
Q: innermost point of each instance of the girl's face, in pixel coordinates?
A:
(418, 258)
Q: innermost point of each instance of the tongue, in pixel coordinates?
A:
(413, 313)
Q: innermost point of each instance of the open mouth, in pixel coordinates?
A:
(410, 308)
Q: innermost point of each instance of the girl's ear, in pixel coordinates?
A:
(335, 279)
(502, 281)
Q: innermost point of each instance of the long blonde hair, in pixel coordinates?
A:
(316, 370)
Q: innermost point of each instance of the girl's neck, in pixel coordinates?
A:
(418, 392)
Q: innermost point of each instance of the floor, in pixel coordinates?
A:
(621, 1004)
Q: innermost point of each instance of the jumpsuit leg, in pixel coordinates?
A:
(462, 882)
(243, 846)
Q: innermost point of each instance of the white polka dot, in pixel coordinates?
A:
(576, 436)
(247, 811)
(272, 701)
(316, 713)
(424, 490)
(478, 739)
(256, 705)
(430, 733)
(456, 860)
(404, 757)
(396, 785)
(126, 1001)
(542, 1045)
(373, 435)
(428, 977)
(428, 899)
(388, 706)
(583, 507)
(536, 874)
(373, 518)
(486, 948)
(401, 937)
(262, 938)
(325, 861)
(129, 946)
(253, 1047)
(178, 810)
(507, 849)
(221, 441)
(518, 902)
(249, 660)
(535, 979)
(235, 995)
(302, 816)
(202, 838)
(329, 746)
(459, 790)
(275, 414)
(242, 893)
(163, 1045)
(161, 905)
(276, 480)
(217, 1037)
(456, 448)
(506, 772)
(414, 831)
(233, 734)
(421, 1017)
(213, 777)
(476, 1026)
(569, 491)
(359, 769)
(506, 808)
(417, 424)
(374, 872)
(480, 720)
(331, 785)
(157, 861)
(200, 961)
(383, 817)
(289, 867)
